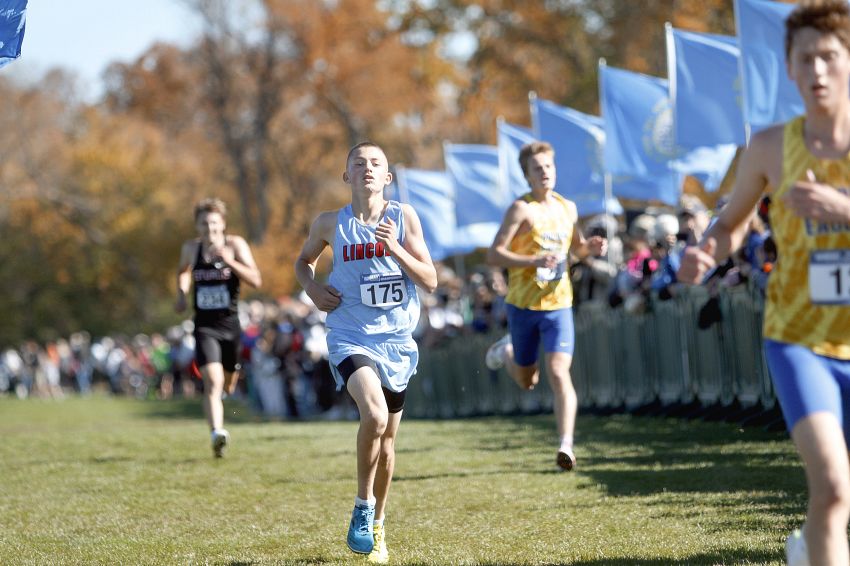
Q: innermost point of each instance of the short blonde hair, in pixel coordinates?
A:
(211, 204)
(530, 149)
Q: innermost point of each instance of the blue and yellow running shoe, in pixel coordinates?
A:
(379, 554)
(360, 535)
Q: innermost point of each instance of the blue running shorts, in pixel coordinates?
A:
(528, 327)
(807, 383)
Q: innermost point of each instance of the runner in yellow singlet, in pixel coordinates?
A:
(533, 243)
(805, 166)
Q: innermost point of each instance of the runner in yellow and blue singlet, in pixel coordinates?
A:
(805, 166)
(534, 242)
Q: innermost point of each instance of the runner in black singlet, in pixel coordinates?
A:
(216, 263)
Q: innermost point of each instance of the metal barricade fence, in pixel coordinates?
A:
(622, 360)
(744, 327)
(674, 377)
(596, 366)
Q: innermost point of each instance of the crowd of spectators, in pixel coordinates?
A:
(284, 358)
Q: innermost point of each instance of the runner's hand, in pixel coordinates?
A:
(325, 297)
(387, 233)
(549, 261)
(597, 246)
(697, 261)
(180, 303)
(817, 201)
(227, 254)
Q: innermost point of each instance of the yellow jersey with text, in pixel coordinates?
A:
(808, 293)
(539, 288)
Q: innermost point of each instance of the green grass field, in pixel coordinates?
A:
(114, 481)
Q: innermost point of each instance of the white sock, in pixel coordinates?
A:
(364, 502)
(566, 444)
(378, 522)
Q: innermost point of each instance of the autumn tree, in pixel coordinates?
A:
(276, 93)
(551, 47)
(82, 218)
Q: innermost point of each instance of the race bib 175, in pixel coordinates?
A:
(382, 289)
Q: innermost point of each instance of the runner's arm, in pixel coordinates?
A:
(325, 297)
(581, 247)
(413, 255)
(184, 275)
(243, 262)
(726, 234)
(499, 254)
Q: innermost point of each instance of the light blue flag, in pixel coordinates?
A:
(639, 139)
(769, 95)
(12, 25)
(577, 139)
(705, 87)
(511, 138)
(638, 123)
(474, 172)
(430, 193)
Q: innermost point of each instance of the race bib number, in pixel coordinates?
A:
(382, 290)
(829, 277)
(213, 297)
(553, 273)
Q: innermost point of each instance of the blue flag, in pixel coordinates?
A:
(12, 24)
(577, 139)
(638, 123)
(770, 96)
(431, 194)
(705, 87)
(474, 171)
(511, 138)
(639, 138)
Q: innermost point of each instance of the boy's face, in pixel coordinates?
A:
(210, 225)
(368, 170)
(541, 171)
(820, 66)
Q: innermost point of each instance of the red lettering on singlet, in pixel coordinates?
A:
(352, 252)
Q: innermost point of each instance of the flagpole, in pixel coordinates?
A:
(747, 128)
(607, 184)
(504, 181)
(607, 178)
(671, 75)
(532, 110)
(670, 44)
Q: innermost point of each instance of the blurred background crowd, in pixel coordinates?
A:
(284, 355)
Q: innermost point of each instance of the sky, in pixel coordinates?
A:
(84, 36)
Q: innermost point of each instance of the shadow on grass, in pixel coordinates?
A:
(736, 556)
(424, 477)
(718, 474)
(111, 459)
(630, 456)
(304, 561)
(235, 411)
